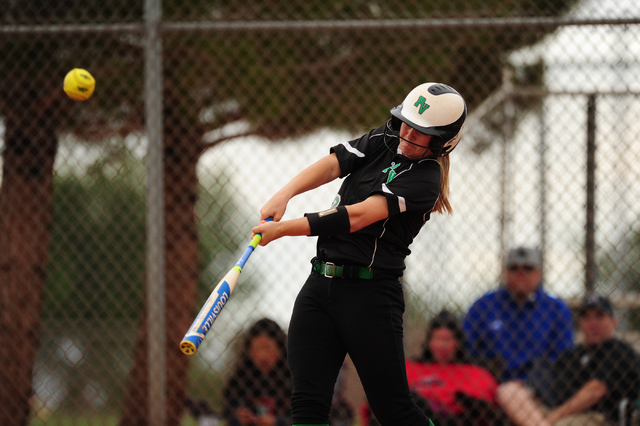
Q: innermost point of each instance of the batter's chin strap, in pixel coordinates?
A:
(389, 127)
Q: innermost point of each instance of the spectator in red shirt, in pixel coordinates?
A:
(445, 384)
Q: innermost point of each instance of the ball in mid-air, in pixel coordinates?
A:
(79, 84)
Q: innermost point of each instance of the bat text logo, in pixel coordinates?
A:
(215, 311)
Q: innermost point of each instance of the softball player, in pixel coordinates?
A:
(353, 302)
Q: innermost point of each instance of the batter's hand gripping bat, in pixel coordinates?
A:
(216, 301)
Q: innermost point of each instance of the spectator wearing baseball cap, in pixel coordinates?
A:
(519, 326)
(598, 302)
(594, 382)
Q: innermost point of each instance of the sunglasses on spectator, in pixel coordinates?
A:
(525, 268)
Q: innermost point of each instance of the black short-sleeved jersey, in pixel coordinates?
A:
(613, 362)
(411, 188)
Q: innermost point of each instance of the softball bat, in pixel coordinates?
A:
(216, 301)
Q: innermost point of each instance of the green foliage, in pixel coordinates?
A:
(95, 278)
(71, 419)
(283, 82)
(223, 231)
(97, 247)
(97, 251)
(75, 11)
(628, 259)
(620, 268)
(210, 384)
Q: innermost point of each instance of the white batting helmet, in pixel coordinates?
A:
(434, 109)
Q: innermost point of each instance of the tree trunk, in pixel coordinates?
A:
(25, 223)
(181, 153)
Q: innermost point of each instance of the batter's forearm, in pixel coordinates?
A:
(323, 171)
(294, 227)
(271, 231)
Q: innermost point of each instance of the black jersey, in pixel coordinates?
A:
(613, 362)
(411, 187)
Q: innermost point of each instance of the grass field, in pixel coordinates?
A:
(67, 419)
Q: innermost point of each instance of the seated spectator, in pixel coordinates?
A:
(515, 328)
(446, 386)
(259, 389)
(592, 381)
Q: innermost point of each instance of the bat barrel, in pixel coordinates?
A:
(214, 304)
(208, 314)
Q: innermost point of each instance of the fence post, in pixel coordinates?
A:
(591, 268)
(155, 218)
(506, 217)
(544, 185)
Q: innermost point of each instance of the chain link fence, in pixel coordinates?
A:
(246, 94)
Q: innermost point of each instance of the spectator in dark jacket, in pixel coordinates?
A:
(592, 382)
(258, 393)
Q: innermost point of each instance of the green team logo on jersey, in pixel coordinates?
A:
(336, 202)
(422, 103)
(392, 171)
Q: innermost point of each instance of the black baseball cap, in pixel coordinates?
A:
(524, 256)
(596, 301)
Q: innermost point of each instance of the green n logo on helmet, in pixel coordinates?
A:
(422, 103)
(392, 171)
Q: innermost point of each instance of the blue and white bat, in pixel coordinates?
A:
(216, 301)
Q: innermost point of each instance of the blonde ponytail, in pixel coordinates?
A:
(442, 204)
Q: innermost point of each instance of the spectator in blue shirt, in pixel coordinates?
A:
(519, 327)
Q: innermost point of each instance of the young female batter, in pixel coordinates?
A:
(352, 302)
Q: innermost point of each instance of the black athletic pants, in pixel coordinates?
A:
(334, 316)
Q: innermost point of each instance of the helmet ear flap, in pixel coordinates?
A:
(395, 123)
(435, 145)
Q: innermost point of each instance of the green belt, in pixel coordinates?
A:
(330, 270)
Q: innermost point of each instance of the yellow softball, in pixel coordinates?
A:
(79, 84)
